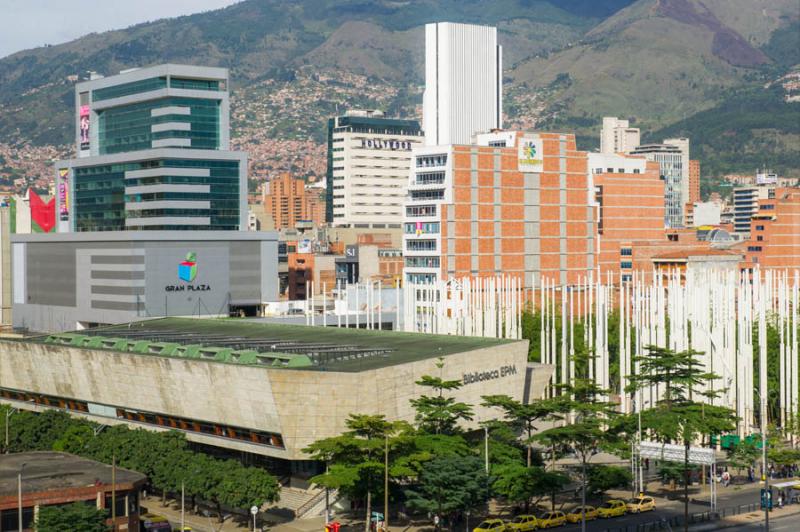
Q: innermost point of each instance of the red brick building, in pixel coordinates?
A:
(775, 232)
(288, 201)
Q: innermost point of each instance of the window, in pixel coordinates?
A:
(126, 89)
(421, 245)
(421, 210)
(636, 171)
(422, 227)
(626, 265)
(424, 161)
(421, 278)
(768, 207)
(626, 252)
(760, 238)
(672, 238)
(427, 195)
(759, 228)
(422, 262)
(754, 249)
(626, 278)
(497, 144)
(430, 178)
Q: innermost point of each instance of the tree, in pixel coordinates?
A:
(520, 484)
(437, 414)
(356, 457)
(678, 416)
(76, 516)
(590, 415)
(604, 477)
(522, 416)
(449, 486)
(744, 455)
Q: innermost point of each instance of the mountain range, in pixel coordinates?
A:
(665, 64)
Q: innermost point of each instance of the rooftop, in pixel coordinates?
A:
(686, 254)
(46, 471)
(239, 341)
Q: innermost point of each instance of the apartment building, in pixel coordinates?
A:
(775, 232)
(368, 162)
(513, 203)
(288, 202)
(617, 136)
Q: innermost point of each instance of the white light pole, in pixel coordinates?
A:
(254, 511)
(183, 493)
(8, 420)
(486, 447)
(19, 495)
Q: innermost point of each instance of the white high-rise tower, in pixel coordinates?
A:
(463, 82)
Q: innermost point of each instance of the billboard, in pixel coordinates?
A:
(84, 126)
(63, 194)
(530, 156)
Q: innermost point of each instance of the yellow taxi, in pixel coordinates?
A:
(612, 508)
(551, 519)
(523, 523)
(640, 504)
(491, 525)
(576, 514)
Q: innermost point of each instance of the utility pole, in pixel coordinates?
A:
(386, 481)
(183, 493)
(19, 496)
(764, 459)
(113, 492)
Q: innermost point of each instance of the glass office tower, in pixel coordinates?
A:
(153, 154)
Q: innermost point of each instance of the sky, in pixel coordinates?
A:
(32, 23)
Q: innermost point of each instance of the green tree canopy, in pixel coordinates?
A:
(449, 486)
(75, 517)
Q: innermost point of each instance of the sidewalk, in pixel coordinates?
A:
(198, 523)
(747, 519)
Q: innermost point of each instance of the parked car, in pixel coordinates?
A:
(576, 514)
(551, 519)
(640, 504)
(523, 523)
(612, 508)
(491, 525)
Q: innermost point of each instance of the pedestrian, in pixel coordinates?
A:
(726, 478)
(780, 499)
(750, 475)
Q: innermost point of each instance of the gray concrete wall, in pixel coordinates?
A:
(301, 405)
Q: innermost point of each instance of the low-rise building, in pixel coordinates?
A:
(775, 232)
(55, 479)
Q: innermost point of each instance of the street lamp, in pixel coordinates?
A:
(639, 453)
(254, 511)
(8, 420)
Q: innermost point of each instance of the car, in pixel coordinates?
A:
(576, 514)
(491, 525)
(640, 504)
(612, 508)
(523, 523)
(551, 519)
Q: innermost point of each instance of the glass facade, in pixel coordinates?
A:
(129, 127)
(194, 84)
(99, 197)
(126, 89)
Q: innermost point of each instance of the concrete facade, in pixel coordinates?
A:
(299, 406)
(617, 136)
(775, 232)
(67, 281)
(463, 82)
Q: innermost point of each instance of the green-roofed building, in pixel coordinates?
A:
(262, 388)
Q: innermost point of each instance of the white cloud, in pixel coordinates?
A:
(32, 23)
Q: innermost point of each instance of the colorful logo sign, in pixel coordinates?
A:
(530, 157)
(63, 194)
(85, 121)
(187, 270)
